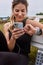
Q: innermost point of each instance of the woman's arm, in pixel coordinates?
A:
(16, 33)
(11, 41)
(30, 27)
(34, 23)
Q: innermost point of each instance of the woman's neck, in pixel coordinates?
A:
(21, 20)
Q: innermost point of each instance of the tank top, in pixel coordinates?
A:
(22, 45)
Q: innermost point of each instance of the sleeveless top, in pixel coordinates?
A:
(22, 45)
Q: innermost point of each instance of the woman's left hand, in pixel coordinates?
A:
(29, 29)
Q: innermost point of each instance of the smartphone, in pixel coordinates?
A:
(18, 25)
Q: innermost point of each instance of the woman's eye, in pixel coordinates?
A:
(17, 10)
(22, 10)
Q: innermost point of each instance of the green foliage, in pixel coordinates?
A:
(41, 20)
(39, 13)
(1, 26)
(0, 19)
(32, 55)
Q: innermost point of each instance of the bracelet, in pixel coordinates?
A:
(42, 31)
(38, 31)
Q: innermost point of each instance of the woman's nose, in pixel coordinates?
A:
(20, 13)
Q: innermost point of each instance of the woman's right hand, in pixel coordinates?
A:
(16, 33)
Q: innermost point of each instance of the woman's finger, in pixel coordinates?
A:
(18, 35)
(18, 31)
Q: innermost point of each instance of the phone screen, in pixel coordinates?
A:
(18, 25)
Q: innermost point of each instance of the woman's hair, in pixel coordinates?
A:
(15, 2)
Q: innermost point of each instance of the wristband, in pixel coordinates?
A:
(38, 31)
(42, 31)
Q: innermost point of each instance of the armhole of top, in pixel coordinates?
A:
(24, 21)
(10, 34)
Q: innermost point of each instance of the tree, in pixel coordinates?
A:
(39, 13)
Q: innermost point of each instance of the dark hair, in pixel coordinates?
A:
(15, 2)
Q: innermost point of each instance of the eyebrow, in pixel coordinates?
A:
(22, 8)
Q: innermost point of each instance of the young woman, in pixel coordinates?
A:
(18, 40)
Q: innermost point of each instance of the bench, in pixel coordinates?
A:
(37, 41)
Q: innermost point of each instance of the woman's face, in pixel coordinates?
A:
(19, 12)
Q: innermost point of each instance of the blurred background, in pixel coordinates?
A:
(35, 12)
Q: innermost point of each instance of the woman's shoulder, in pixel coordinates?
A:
(6, 25)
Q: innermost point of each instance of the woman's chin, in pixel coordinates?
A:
(20, 20)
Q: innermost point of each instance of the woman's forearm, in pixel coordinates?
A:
(11, 43)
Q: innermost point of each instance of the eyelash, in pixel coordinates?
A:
(18, 11)
(22, 11)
